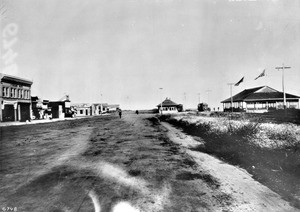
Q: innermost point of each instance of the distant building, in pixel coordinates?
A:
(15, 98)
(203, 107)
(61, 108)
(112, 107)
(99, 108)
(259, 100)
(39, 108)
(168, 106)
(83, 109)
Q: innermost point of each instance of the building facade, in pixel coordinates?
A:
(259, 100)
(39, 108)
(60, 109)
(83, 109)
(111, 108)
(168, 106)
(99, 108)
(15, 98)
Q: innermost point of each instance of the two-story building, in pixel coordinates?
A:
(15, 98)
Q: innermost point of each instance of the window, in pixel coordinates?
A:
(11, 92)
(81, 111)
(250, 105)
(4, 91)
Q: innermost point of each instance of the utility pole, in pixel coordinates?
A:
(283, 68)
(208, 96)
(101, 106)
(184, 100)
(128, 102)
(161, 101)
(231, 100)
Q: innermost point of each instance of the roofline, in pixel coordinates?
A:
(256, 88)
(14, 78)
(250, 100)
(268, 87)
(167, 105)
(99, 103)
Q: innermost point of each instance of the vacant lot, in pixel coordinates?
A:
(107, 162)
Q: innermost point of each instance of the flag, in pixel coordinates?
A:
(261, 75)
(239, 82)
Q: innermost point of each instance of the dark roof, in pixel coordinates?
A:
(250, 95)
(168, 102)
(9, 78)
(273, 95)
(242, 95)
(103, 104)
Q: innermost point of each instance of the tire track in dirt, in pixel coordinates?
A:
(119, 163)
(72, 175)
(190, 188)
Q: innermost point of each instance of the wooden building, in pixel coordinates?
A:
(168, 106)
(83, 109)
(111, 108)
(60, 109)
(99, 108)
(259, 100)
(15, 98)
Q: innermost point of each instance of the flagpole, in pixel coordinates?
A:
(207, 91)
(231, 99)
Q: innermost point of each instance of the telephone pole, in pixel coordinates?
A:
(208, 96)
(283, 68)
(101, 104)
(161, 101)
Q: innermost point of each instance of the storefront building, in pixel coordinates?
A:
(15, 98)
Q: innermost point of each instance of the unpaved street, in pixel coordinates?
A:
(132, 164)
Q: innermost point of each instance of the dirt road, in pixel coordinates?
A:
(129, 164)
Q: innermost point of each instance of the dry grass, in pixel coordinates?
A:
(269, 151)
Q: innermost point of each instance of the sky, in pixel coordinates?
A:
(124, 51)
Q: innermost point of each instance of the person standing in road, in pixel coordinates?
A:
(120, 112)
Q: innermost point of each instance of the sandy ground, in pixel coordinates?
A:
(247, 194)
(127, 164)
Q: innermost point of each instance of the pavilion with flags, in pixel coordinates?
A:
(259, 100)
